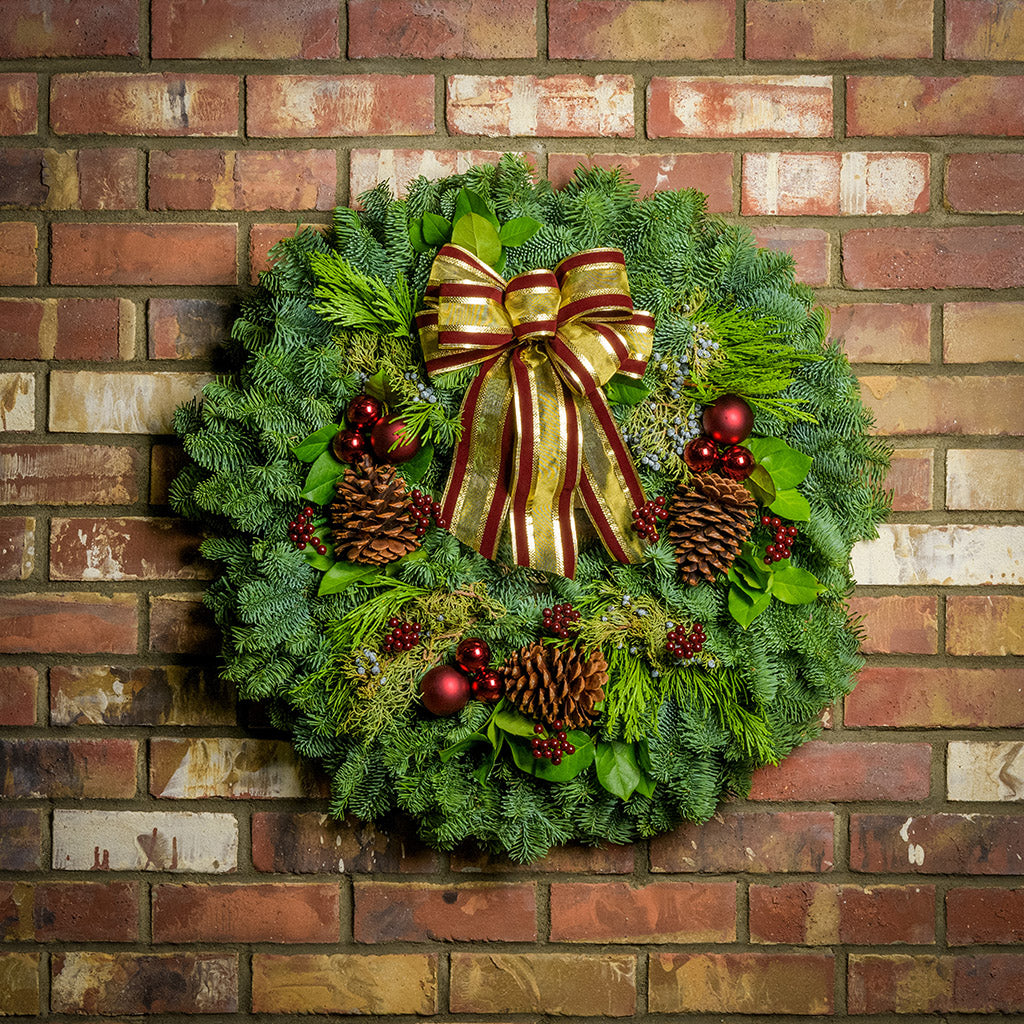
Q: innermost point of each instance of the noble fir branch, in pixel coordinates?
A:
(351, 299)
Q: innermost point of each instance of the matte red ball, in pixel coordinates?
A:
(700, 454)
(386, 433)
(487, 687)
(363, 412)
(348, 446)
(445, 690)
(737, 462)
(728, 420)
(472, 654)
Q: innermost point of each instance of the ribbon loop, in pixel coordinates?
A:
(538, 433)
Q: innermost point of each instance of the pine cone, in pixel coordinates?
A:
(372, 520)
(549, 683)
(708, 524)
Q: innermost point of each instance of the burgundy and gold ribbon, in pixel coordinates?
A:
(537, 431)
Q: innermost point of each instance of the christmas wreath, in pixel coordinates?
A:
(534, 507)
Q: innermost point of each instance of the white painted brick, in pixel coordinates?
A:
(985, 770)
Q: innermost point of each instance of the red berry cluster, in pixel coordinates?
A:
(646, 516)
(424, 509)
(404, 636)
(558, 619)
(682, 646)
(552, 747)
(784, 537)
(301, 532)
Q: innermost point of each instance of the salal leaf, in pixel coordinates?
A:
(518, 230)
(310, 448)
(323, 474)
(479, 236)
(468, 202)
(436, 229)
(514, 722)
(571, 766)
(745, 606)
(761, 485)
(791, 504)
(416, 238)
(622, 390)
(617, 768)
(342, 575)
(795, 586)
(787, 466)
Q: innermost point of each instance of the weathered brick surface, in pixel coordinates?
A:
(22, 830)
(616, 912)
(76, 623)
(18, 103)
(56, 768)
(741, 983)
(984, 30)
(467, 912)
(989, 771)
(188, 328)
(985, 182)
(400, 166)
(19, 241)
(344, 983)
(68, 474)
(19, 685)
(69, 911)
(181, 624)
(73, 28)
(166, 461)
(550, 983)
(984, 479)
(262, 238)
(809, 247)
(94, 329)
(975, 916)
(897, 624)
(19, 983)
(17, 547)
(73, 179)
(981, 332)
(984, 625)
(569, 859)
(17, 401)
(760, 843)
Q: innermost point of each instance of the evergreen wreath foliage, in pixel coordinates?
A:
(334, 316)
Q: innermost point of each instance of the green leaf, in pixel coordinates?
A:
(571, 765)
(342, 575)
(786, 465)
(745, 607)
(754, 575)
(469, 202)
(791, 504)
(321, 562)
(477, 235)
(645, 787)
(416, 238)
(436, 230)
(518, 230)
(319, 486)
(514, 722)
(761, 485)
(412, 470)
(795, 586)
(464, 744)
(376, 385)
(310, 448)
(622, 390)
(617, 768)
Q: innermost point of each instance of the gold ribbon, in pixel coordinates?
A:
(537, 430)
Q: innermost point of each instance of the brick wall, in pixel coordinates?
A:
(161, 853)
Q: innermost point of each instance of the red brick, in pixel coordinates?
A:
(982, 332)
(877, 332)
(310, 843)
(524, 105)
(812, 914)
(749, 842)
(755, 983)
(262, 238)
(78, 623)
(992, 625)
(181, 624)
(569, 859)
(68, 474)
(82, 179)
(944, 698)
(464, 912)
(17, 547)
(152, 983)
(367, 167)
(126, 549)
(984, 30)
(82, 769)
(638, 31)
(547, 983)
(809, 248)
(19, 983)
(478, 29)
(616, 912)
(168, 104)
(21, 178)
(96, 329)
(22, 848)
(976, 916)
(256, 912)
(69, 911)
(750, 107)
(18, 104)
(18, 243)
(985, 182)
(937, 844)
(935, 984)
(902, 105)
(821, 770)
(245, 29)
(213, 179)
(838, 30)
(107, 179)
(912, 479)
(21, 327)
(19, 685)
(898, 625)
(141, 254)
(322, 106)
(710, 173)
(188, 328)
(69, 28)
(166, 461)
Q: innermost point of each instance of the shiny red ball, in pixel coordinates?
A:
(472, 654)
(728, 420)
(385, 435)
(487, 687)
(363, 412)
(700, 454)
(348, 446)
(737, 462)
(445, 690)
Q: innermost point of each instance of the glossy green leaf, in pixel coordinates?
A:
(514, 722)
(617, 768)
(761, 485)
(646, 785)
(745, 606)
(477, 235)
(795, 586)
(786, 465)
(310, 448)
(412, 470)
(570, 767)
(319, 486)
(436, 230)
(376, 385)
(791, 504)
(518, 230)
(622, 390)
(342, 575)
(464, 744)
(468, 202)
(321, 562)
(416, 238)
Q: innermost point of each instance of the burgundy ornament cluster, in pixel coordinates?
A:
(371, 430)
(727, 422)
(646, 516)
(557, 619)
(424, 509)
(404, 636)
(551, 748)
(684, 645)
(301, 531)
(782, 545)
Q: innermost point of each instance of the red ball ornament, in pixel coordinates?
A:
(728, 420)
(445, 690)
(387, 432)
(348, 446)
(737, 462)
(700, 454)
(364, 411)
(487, 687)
(472, 654)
